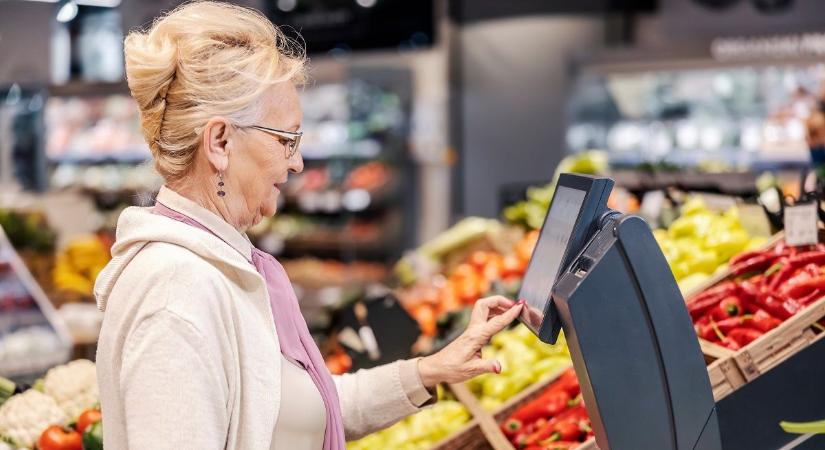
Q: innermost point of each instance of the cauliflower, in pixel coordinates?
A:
(24, 417)
(73, 386)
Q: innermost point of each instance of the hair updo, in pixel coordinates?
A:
(201, 60)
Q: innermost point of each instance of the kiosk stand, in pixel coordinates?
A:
(601, 276)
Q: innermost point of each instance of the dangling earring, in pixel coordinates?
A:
(221, 192)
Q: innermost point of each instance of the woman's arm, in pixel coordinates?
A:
(174, 395)
(372, 399)
(376, 398)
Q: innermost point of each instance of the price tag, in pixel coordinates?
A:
(754, 220)
(801, 224)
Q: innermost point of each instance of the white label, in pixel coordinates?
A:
(801, 224)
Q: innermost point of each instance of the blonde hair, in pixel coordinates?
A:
(201, 60)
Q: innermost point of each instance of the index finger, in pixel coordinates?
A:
(482, 308)
(501, 321)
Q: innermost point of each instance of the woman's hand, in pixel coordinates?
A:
(461, 359)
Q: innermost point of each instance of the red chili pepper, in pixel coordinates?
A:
(704, 320)
(764, 322)
(727, 325)
(754, 264)
(567, 381)
(701, 307)
(810, 298)
(730, 343)
(803, 287)
(815, 257)
(730, 306)
(775, 306)
(708, 332)
(726, 288)
(813, 269)
(781, 276)
(745, 256)
(744, 336)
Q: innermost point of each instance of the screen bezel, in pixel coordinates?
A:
(597, 189)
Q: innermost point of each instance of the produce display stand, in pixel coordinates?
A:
(729, 370)
(484, 431)
(26, 307)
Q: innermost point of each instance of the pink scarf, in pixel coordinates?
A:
(293, 334)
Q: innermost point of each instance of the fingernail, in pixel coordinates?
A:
(497, 367)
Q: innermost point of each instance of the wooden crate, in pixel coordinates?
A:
(468, 437)
(725, 377)
(771, 348)
(489, 421)
(779, 344)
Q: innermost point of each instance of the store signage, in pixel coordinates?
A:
(801, 224)
(807, 45)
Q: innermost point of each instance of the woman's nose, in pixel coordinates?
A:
(296, 164)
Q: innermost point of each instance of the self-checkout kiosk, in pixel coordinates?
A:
(600, 276)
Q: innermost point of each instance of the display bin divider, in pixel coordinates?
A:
(725, 377)
(467, 437)
(488, 424)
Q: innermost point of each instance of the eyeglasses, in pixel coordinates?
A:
(293, 138)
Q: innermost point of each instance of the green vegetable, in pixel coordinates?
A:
(93, 437)
(7, 388)
(817, 427)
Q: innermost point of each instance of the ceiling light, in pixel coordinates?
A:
(67, 12)
(366, 3)
(98, 3)
(287, 5)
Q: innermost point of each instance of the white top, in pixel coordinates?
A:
(188, 355)
(303, 419)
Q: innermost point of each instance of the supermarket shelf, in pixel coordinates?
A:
(33, 365)
(86, 88)
(128, 158)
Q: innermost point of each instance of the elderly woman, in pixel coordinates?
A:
(203, 345)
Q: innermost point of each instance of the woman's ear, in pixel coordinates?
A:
(216, 135)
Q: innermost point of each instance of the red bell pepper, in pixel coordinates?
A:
(730, 306)
(567, 381)
(764, 322)
(744, 336)
(575, 414)
(566, 430)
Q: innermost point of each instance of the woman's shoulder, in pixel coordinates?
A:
(165, 276)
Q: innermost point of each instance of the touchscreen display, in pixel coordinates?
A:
(549, 253)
